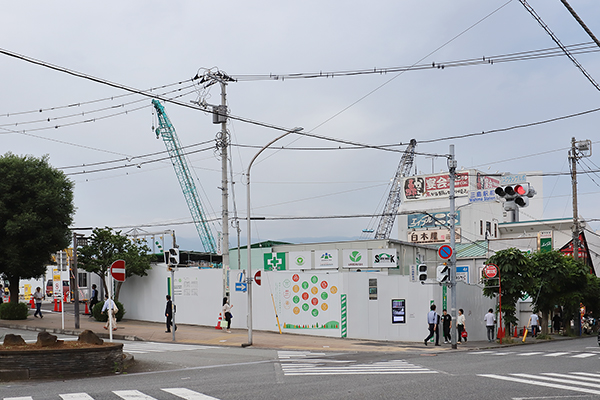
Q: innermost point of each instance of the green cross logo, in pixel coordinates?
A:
(274, 261)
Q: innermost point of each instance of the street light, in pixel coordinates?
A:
(249, 242)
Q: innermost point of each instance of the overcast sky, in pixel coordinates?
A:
(150, 44)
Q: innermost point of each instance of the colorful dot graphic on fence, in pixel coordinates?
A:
(310, 296)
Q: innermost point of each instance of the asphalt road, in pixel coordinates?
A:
(550, 370)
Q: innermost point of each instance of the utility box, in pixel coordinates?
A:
(219, 114)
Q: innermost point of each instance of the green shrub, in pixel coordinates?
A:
(14, 311)
(103, 317)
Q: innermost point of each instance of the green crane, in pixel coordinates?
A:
(167, 131)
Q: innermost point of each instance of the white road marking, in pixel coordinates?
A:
(189, 394)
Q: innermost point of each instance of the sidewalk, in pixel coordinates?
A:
(192, 334)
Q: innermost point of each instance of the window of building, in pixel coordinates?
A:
(82, 279)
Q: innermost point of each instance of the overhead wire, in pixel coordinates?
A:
(578, 48)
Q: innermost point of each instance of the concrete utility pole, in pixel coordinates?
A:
(77, 239)
(576, 228)
(223, 143)
(452, 169)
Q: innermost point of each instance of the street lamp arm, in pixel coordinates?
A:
(295, 130)
(249, 241)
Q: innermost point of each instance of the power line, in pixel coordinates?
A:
(578, 48)
(83, 103)
(558, 42)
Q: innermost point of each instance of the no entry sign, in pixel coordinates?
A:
(490, 270)
(117, 270)
(445, 251)
(258, 278)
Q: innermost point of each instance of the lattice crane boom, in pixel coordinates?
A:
(188, 187)
(395, 197)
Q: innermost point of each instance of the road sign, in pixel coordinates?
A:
(241, 286)
(490, 270)
(117, 270)
(445, 251)
(257, 278)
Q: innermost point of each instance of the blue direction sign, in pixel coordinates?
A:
(445, 251)
(241, 286)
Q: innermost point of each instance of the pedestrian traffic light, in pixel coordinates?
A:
(173, 256)
(443, 273)
(422, 268)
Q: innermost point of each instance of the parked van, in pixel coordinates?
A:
(49, 289)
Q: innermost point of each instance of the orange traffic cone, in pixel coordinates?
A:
(87, 310)
(59, 306)
(516, 332)
(31, 302)
(219, 322)
(55, 305)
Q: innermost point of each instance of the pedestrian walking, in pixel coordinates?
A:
(490, 321)
(556, 323)
(38, 296)
(446, 325)
(111, 310)
(432, 321)
(169, 314)
(227, 315)
(460, 325)
(93, 299)
(534, 320)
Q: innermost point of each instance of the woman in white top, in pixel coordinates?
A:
(460, 325)
(226, 314)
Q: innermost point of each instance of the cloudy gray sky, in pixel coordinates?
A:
(85, 126)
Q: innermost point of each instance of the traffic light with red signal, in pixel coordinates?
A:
(519, 194)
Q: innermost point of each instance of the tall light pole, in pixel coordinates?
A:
(249, 242)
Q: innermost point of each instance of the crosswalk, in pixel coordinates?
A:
(571, 354)
(156, 347)
(582, 382)
(180, 393)
(303, 363)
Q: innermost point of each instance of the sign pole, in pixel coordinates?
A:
(500, 330)
(110, 311)
(452, 264)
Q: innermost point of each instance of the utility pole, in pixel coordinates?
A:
(573, 157)
(452, 169)
(75, 279)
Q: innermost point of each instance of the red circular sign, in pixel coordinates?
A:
(324, 284)
(258, 278)
(304, 296)
(117, 270)
(490, 270)
(314, 301)
(295, 278)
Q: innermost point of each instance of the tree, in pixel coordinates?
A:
(106, 246)
(36, 209)
(558, 281)
(516, 273)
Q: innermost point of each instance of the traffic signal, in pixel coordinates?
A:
(523, 192)
(443, 273)
(173, 256)
(422, 269)
(166, 254)
(520, 193)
